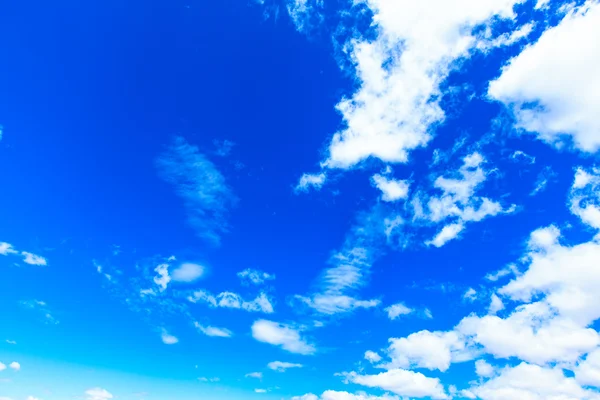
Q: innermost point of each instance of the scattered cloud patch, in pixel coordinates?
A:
(167, 338)
(391, 189)
(187, 272)
(396, 310)
(282, 335)
(233, 300)
(254, 277)
(308, 181)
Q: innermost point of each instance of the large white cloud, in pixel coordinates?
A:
(552, 86)
(532, 382)
(400, 72)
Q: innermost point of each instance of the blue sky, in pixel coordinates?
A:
(300, 199)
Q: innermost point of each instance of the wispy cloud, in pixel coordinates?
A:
(202, 187)
(41, 308)
(213, 330)
(254, 277)
(281, 366)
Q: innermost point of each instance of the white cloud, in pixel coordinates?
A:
(519, 155)
(6, 249)
(396, 310)
(458, 202)
(448, 233)
(372, 357)
(505, 39)
(470, 294)
(206, 195)
(168, 338)
(391, 189)
(337, 395)
(15, 366)
(30, 398)
(305, 14)
(532, 333)
(33, 259)
(532, 382)
(213, 330)
(2, 366)
(588, 371)
(425, 349)
(233, 300)
(257, 375)
(308, 181)
(399, 73)
(254, 276)
(584, 198)
(558, 75)
(260, 390)
(10, 341)
(162, 278)
(282, 335)
(484, 369)
(402, 382)
(281, 366)
(98, 394)
(28, 258)
(187, 272)
(496, 304)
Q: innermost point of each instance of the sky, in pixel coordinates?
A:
(300, 200)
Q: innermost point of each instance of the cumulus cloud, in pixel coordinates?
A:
(233, 300)
(372, 357)
(424, 349)
(391, 189)
(213, 330)
(396, 310)
(526, 381)
(402, 382)
(566, 57)
(282, 335)
(206, 195)
(308, 181)
(15, 366)
(33, 259)
(281, 366)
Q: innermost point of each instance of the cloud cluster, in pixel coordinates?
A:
(7, 249)
(232, 300)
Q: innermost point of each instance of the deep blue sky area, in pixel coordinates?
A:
(299, 199)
